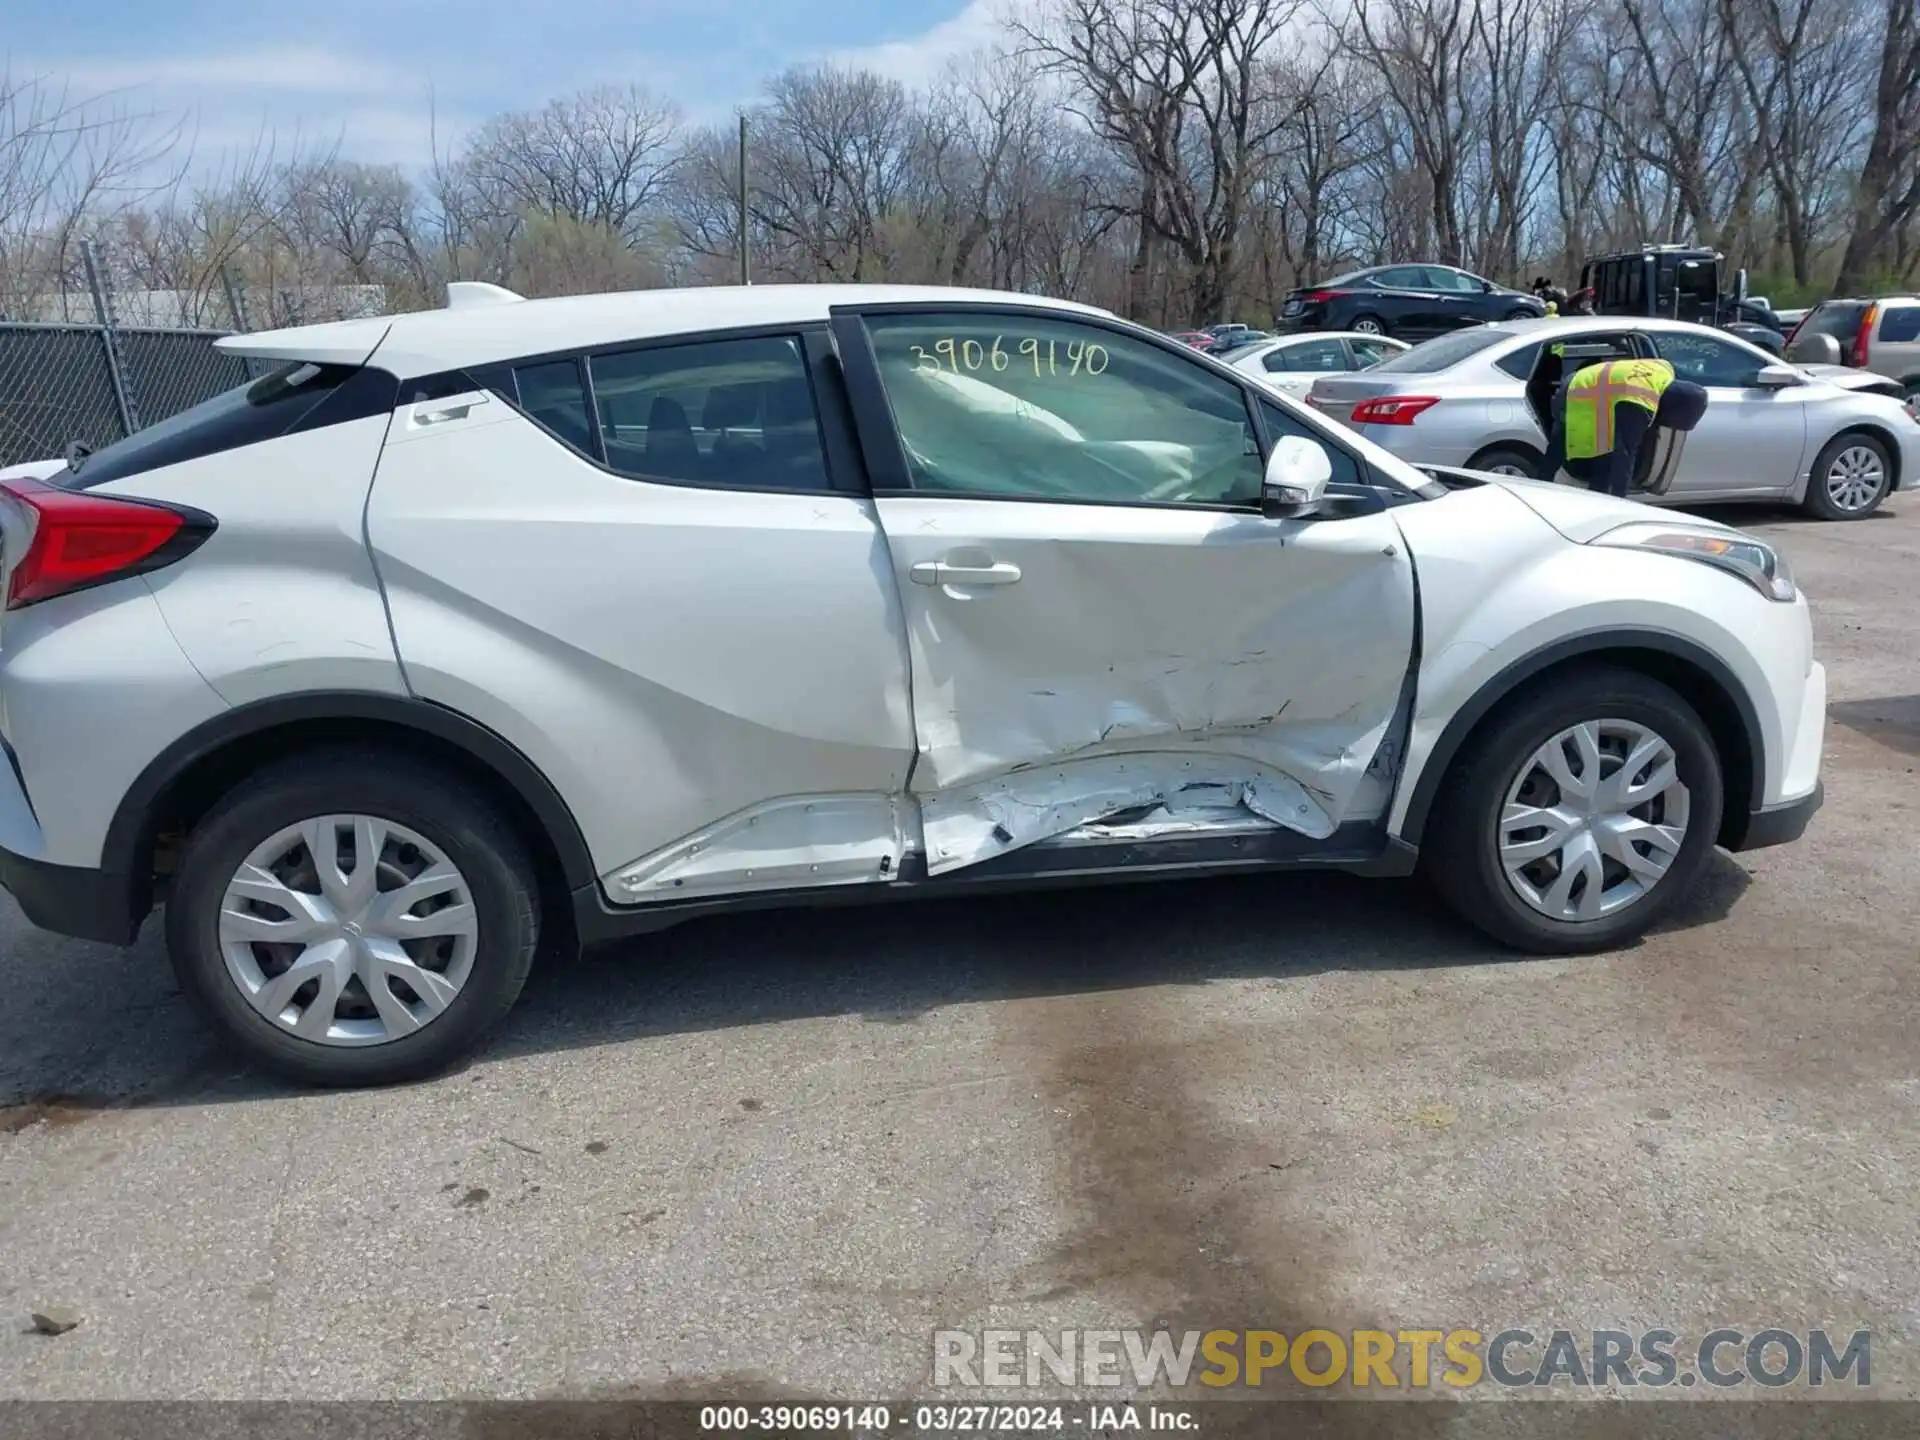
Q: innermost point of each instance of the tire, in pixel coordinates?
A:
(1463, 840)
(424, 821)
(1507, 460)
(1837, 486)
(1369, 325)
(1520, 312)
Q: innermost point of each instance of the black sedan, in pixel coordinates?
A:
(1408, 301)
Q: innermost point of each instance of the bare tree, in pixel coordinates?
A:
(1177, 86)
(1887, 194)
(603, 157)
(68, 165)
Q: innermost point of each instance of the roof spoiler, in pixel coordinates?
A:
(472, 294)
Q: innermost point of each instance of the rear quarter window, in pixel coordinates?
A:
(298, 395)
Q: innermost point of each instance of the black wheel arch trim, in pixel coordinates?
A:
(132, 827)
(1447, 748)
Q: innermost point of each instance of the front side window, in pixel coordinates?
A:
(1323, 356)
(1036, 408)
(736, 414)
(1707, 361)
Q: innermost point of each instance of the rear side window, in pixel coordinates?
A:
(1321, 355)
(1434, 355)
(737, 414)
(1520, 363)
(555, 394)
(1900, 324)
(295, 396)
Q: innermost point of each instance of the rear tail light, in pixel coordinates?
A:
(1321, 297)
(67, 540)
(1393, 409)
(1862, 336)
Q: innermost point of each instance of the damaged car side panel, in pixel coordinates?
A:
(1072, 662)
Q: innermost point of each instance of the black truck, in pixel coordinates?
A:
(1678, 282)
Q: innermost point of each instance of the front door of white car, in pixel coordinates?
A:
(1099, 618)
(1752, 440)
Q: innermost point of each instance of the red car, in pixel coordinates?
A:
(1198, 339)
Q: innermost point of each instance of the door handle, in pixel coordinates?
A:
(457, 408)
(939, 572)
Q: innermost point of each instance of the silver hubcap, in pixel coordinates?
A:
(1593, 821)
(348, 930)
(1855, 477)
(1366, 327)
(1506, 467)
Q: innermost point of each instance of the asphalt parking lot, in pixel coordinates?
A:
(777, 1153)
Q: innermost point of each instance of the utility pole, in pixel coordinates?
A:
(745, 279)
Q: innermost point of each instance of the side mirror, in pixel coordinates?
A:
(1486, 287)
(1295, 483)
(1778, 377)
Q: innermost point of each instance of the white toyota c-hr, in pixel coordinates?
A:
(591, 615)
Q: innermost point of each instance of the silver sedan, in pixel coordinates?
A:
(1818, 435)
(1291, 363)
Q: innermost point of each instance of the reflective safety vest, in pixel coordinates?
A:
(1597, 389)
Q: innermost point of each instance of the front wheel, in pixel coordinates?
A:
(353, 919)
(1850, 478)
(1577, 818)
(1521, 313)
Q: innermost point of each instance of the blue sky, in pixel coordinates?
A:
(362, 71)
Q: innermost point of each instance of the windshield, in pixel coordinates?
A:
(1440, 354)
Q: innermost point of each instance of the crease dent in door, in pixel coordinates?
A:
(1287, 712)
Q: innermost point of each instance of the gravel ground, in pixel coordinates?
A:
(776, 1153)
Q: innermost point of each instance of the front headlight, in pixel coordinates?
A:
(1760, 565)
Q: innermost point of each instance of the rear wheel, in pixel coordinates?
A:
(1577, 818)
(1369, 325)
(1506, 460)
(1850, 478)
(353, 919)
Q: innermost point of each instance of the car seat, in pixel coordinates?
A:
(670, 451)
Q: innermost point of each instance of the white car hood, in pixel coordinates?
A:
(1846, 377)
(1578, 513)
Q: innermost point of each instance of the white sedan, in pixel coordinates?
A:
(1291, 363)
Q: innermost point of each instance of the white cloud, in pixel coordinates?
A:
(918, 61)
(294, 70)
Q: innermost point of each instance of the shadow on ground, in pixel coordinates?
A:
(98, 1028)
(1892, 720)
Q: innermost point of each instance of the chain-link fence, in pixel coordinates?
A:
(97, 383)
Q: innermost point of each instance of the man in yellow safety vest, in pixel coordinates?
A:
(1605, 413)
